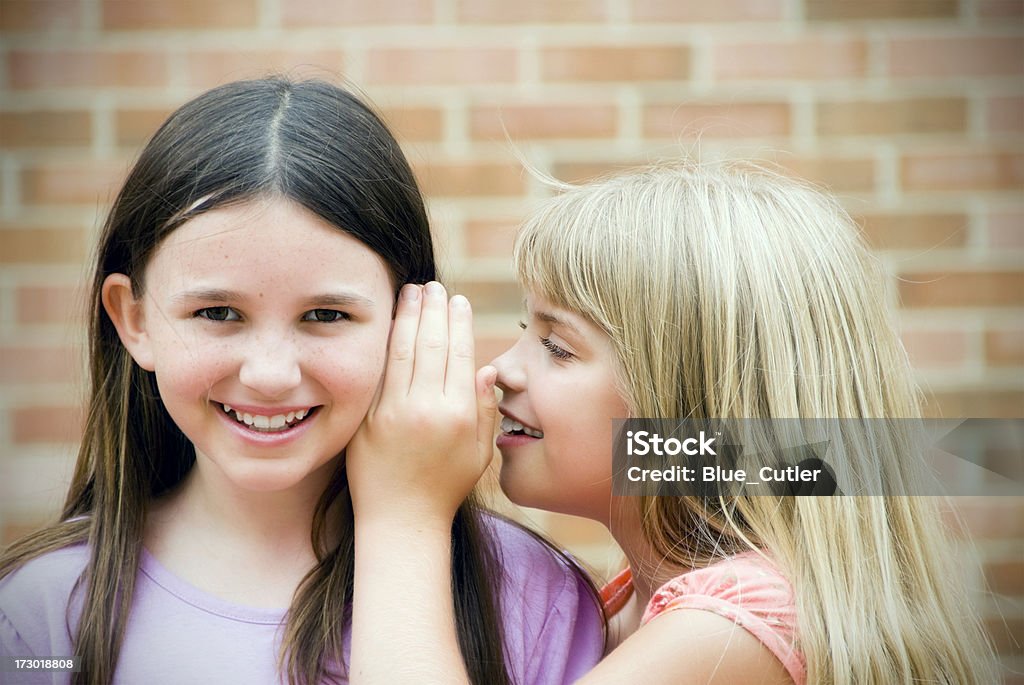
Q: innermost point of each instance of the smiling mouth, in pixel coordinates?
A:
(278, 423)
(513, 427)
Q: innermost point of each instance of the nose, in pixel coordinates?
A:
(270, 366)
(511, 370)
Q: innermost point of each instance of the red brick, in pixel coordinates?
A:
(905, 116)
(1005, 577)
(1000, 9)
(1006, 114)
(935, 349)
(491, 238)
(975, 403)
(133, 127)
(963, 171)
(838, 174)
(916, 57)
(581, 172)
(531, 11)
(608, 63)
(469, 179)
(1006, 230)
(348, 12)
(986, 518)
(49, 304)
(208, 68)
(962, 289)
(1004, 347)
(1006, 632)
(914, 231)
(415, 124)
(492, 297)
(824, 10)
(45, 129)
(451, 66)
(46, 424)
(42, 246)
(720, 10)
(38, 364)
(88, 183)
(525, 122)
(40, 15)
(489, 348)
(717, 120)
(809, 58)
(180, 14)
(30, 69)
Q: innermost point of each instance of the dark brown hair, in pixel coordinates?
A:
(321, 147)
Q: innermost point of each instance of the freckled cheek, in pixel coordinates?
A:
(353, 371)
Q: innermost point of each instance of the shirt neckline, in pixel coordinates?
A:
(203, 600)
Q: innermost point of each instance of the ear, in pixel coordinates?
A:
(128, 318)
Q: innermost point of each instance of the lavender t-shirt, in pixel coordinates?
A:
(179, 634)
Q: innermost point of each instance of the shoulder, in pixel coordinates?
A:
(551, 618)
(35, 599)
(525, 559)
(746, 580)
(749, 592)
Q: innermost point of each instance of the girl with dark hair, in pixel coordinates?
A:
(240, 310)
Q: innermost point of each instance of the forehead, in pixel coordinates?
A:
(544, 310)
(264, 243)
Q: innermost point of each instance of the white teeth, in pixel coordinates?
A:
(264, 423)
(508, 425)
(511, 426)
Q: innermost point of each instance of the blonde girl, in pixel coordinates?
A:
(722, 291)
(243, 296)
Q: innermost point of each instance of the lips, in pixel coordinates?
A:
(511, 425)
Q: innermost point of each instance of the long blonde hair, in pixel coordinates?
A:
(729, 291)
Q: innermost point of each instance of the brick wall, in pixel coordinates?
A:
(912, 111)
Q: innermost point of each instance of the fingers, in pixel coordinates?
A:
(432, 340)
(487, 411)
(402, 346)
(461, 357)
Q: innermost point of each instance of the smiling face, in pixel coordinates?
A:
(559, 400)
(266, 309)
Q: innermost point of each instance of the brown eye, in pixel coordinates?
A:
(325, 315)
(218, 314)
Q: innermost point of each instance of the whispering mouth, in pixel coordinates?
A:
(278, 423)
(513, 427)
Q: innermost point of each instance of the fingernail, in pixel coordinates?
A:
(460, 302)
(411, 292)
(491, 378)
(435, 288)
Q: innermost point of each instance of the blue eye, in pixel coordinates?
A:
(218, 314)
(556, 351)
(325, 315)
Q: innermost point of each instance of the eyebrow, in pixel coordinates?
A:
(319, 300)
(555, 321)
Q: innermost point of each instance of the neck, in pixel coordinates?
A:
(649, 568)
(260, 526)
